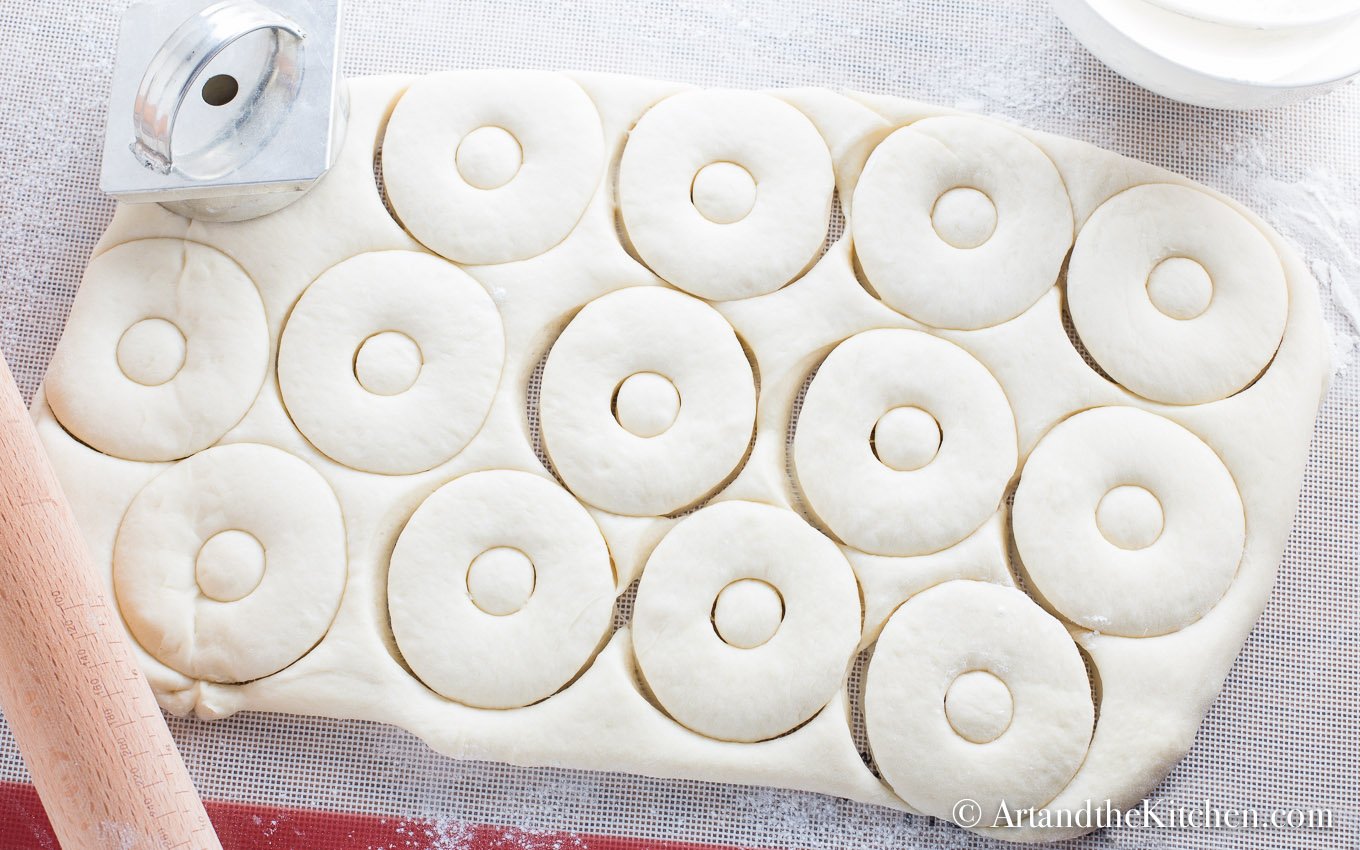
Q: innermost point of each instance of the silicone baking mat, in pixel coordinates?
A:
(1280, 740)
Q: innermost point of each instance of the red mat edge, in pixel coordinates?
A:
(248, 826)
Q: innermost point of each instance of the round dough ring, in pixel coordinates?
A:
(215, 372)
(659, 198)
(640, 330)
(453, 322)
(1178, 361)
(481, 659)
(942, 634)
(722, 690)
(887, 511)
(562, 153)
(1092, 581)
(268, 494)
(916, 271)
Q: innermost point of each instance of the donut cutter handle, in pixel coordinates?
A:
(224, 110)
(184, 57)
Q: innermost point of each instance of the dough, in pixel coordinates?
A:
(914, 427)
(492, 166)
(491, 610)
(960, 222)
(745, 622)
(166, 350)
(229, 565)
(1127, 523)
(726, 194)
(605, 400)
(1176, 295)
(802, 463)
(390, 360)
(974, 693)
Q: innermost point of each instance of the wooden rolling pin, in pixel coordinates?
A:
(102, 759)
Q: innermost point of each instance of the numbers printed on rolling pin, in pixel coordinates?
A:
(145, 766)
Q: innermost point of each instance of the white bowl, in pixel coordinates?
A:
(1212, 53)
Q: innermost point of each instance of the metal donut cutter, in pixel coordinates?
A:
(224, 110)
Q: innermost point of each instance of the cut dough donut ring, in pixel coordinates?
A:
(724, 578)
(607, 453)
(960, 223)
(164, 352)
(229, 566)
(390, 360)
(500, 589)
(726, 194)
(1176, 295)
(1127, 523)
(492, 166)
(870, 464)
(976, 693)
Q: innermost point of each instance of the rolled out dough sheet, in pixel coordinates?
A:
(608, 423)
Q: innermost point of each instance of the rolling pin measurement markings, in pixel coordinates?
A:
(83, 622)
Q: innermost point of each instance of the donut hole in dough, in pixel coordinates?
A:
(1180, 288)
(587, 402)
(844, 445)
(1130, 517)
(906, 438)
(733, 555)
(723, 192)
(960, 222)
(151, 352)
(979, 706)
(501, 580)
(964, 217)
(388, 363)
(390, 360)
(646, 404)
(229, 565)
(165, 351)
(489, 157)
(1126, 523)
(747, 613)
(975, 691)
(1156, 324)
(500, 589)
(486, 166)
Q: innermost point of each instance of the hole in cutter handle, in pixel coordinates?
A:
(220, 90)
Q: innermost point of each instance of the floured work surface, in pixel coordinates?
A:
(1035, 420)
